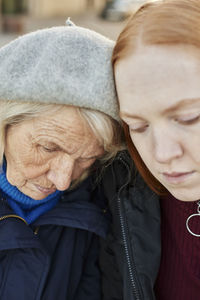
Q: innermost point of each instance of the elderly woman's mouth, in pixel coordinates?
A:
(44, 189)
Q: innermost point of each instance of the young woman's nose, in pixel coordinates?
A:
(60, 173)
(166, 147)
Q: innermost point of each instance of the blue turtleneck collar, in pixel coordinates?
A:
(24, 206)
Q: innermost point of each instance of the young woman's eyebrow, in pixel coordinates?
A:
(127, 115)
(181, 104)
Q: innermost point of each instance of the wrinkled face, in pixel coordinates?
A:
(49, 152)
(159, 95)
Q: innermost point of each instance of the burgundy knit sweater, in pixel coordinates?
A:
(179, 274)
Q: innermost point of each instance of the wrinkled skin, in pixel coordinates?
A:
(49, 152)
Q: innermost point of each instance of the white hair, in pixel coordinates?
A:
(108, 131)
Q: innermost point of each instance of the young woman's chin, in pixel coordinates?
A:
(185, 194)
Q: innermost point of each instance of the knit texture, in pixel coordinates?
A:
(24, 206)
(65, 65)
(179, 275)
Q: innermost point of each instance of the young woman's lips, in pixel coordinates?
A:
(177, 177)
(45, 190)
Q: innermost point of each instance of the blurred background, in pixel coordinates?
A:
(107, 17)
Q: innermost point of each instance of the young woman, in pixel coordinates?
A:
(157, 71)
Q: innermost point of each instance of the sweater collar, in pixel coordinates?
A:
(24, 206)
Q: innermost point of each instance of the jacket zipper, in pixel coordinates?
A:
(36, 230)
(10, 215)
(13, 216)
(130, 262)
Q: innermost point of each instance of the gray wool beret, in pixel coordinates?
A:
(65, 65)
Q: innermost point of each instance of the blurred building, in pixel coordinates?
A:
(107, 17)
(14, 12)
(58, 8)
(118, 10)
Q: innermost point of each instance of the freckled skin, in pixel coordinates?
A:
(159, 95)
(49, 152)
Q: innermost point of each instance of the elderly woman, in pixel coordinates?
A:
(58, 118)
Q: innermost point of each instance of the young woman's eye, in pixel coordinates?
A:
(188, 120)
(138, 129)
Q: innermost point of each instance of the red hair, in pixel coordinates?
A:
(167, 22)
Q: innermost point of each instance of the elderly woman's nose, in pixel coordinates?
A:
(60, 173)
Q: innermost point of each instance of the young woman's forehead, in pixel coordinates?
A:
(159, 75)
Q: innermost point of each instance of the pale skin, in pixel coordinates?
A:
(49, 152)
(159, 95)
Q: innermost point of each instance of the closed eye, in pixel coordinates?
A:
(188, 120)
(49, 149)
(138, 129)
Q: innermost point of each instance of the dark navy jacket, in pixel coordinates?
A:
(130, 254)
(55, 258)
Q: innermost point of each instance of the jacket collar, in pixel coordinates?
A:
(77, 209)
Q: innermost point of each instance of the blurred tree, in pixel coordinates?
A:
(13, 12)
(13, 6)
